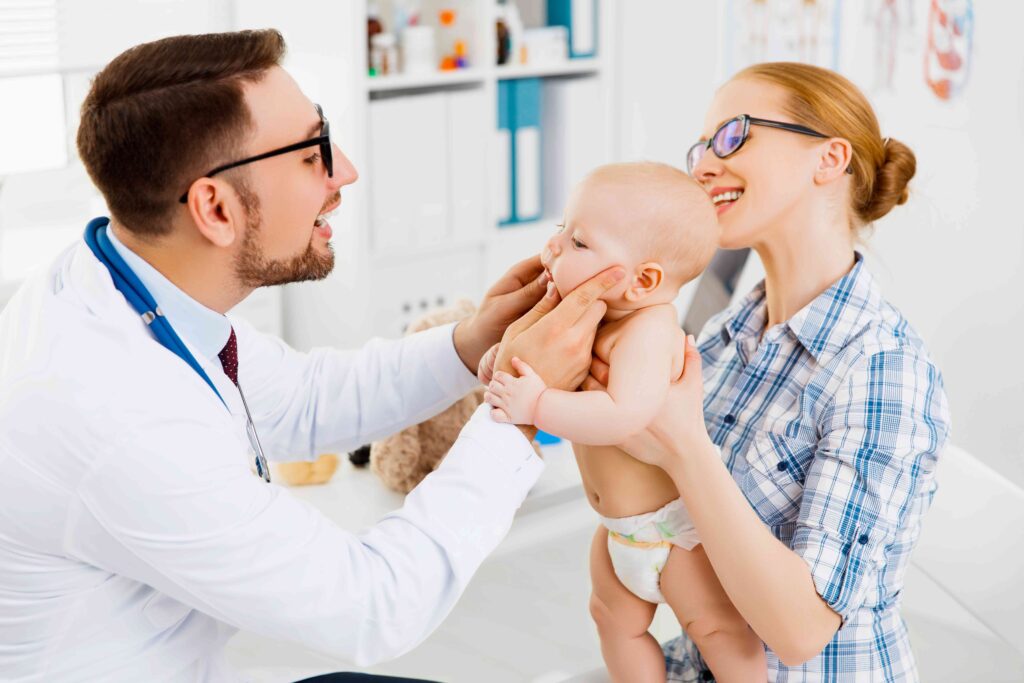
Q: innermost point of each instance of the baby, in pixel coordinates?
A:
(658, 223)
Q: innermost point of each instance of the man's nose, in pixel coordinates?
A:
(345, 172)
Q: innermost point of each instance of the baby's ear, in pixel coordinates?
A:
(646, 280)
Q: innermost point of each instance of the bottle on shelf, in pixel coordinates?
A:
(373, 27)
(384, 54)
(502, 35)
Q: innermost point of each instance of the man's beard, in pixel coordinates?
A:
(254, 269)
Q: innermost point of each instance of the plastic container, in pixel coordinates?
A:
(418, 49)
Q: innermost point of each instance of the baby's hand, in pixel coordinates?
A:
(515, 398)
(486, 367)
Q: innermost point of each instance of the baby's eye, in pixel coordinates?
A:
(559, 228)
(312, 158)
(579, 245)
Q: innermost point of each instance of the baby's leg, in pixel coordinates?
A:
(727, 643)
(630, 652)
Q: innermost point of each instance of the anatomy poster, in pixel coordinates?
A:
(950, 44)
(891, 31)
(781, 30)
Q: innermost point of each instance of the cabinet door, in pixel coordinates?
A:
(467, 130)
(408, 170)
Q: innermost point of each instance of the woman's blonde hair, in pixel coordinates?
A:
(827, 102)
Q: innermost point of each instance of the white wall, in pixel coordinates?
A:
(952, 259)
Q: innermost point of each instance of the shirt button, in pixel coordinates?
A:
(781, 467)
(729, 419)
(863, 539)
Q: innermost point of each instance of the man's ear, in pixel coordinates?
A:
(645, 282)
(836, 156)
(216, 211)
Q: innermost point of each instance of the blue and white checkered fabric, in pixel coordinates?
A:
(831, 426)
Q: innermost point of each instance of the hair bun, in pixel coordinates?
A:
(898, 166)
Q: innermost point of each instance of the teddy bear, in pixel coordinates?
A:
(402, 460)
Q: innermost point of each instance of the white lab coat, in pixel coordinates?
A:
(134, 537)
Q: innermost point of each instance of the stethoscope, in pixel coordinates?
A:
(128, 283)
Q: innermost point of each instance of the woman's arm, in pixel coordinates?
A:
(769, 584)
(876, 455)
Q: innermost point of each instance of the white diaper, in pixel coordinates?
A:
(639, 546)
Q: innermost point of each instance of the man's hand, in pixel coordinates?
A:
(510, 297)
(485, 372)
(555, 338)
(515, 399)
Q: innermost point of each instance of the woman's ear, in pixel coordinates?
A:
(646, 281)
(836, 157)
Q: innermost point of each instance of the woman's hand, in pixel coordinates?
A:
(556, 338)
(679, 426)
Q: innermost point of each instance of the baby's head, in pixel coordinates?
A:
(651, 218)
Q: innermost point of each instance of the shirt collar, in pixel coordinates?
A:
(826, 324)
(204, 329)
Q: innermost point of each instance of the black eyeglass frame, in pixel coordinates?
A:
(749, 120)
(323, 140)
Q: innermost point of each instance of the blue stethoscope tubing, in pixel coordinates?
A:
(128, 283)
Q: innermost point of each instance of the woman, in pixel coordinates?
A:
(810, 461)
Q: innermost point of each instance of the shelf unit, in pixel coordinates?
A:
(381, 278)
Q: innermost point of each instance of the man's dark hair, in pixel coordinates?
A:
(162, 114)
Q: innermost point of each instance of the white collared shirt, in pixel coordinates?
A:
(134, 538)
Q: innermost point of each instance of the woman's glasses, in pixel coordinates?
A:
(731, 135)
(323, 140)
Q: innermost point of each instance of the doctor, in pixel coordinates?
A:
(137, 531)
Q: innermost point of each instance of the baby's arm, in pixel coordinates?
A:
(640, 366)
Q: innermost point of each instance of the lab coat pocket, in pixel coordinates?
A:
(774, 481)
(164, 611)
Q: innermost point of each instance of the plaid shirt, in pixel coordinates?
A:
(831, 427)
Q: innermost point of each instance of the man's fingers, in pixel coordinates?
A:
(528, 294)
(517, 277)
(527, 270)
(547, 304)
(579, 301)
(522, 368)
(599, 370)
(592, 316)
(591, 384)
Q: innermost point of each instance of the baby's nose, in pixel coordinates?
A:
(552, 249)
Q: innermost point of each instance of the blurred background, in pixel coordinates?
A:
(470, 119)
(446, 194)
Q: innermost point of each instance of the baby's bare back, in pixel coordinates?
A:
(617, 484)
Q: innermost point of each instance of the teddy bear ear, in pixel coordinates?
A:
(464, 308)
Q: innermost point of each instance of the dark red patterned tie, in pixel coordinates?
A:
(229, 358)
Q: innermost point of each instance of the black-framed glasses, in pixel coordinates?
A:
(731, 135)
(323, 140)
